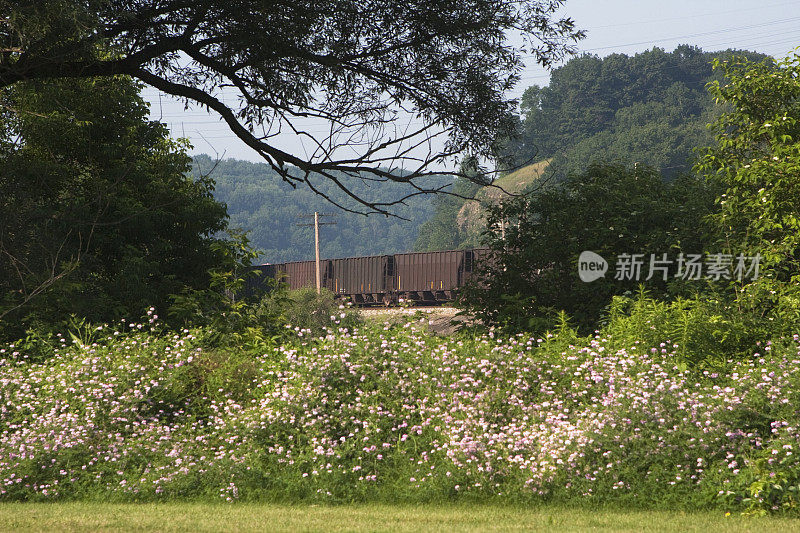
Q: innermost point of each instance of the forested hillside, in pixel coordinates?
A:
(650, 109)
(270, 210)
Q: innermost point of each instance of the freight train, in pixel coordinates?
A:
(419, 277)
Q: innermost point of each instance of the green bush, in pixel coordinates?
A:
(705, 332)
(532, 272)
(304, 309)
(701, 331)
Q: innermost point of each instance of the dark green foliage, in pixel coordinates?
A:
(218, 303)
(650, 108)
(304, 309)
(609, 209)
(97, 215)
(270, 210)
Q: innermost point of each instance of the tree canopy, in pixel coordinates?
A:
(387, 76)
(652, 108)
(609, 209)
(98, 217)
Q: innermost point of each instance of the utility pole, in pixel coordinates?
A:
(316, 249)
(316, 225)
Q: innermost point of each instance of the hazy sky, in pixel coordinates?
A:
(624, 26)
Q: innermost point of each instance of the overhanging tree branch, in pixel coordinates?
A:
(361, 67)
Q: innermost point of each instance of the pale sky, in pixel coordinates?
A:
(613, 26)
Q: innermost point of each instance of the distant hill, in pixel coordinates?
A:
(270, 210)
(651, 108)
(514, 183)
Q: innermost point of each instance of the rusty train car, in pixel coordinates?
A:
(422, 277)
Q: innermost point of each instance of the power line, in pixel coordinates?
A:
(687, 36)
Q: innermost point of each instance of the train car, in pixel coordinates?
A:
(257, 283)
(299, 274)
(295, 274)
(364, 280)
(432, 276)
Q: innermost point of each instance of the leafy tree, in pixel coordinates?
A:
(532, 274)
(757, 160)
(97, 215)
(364, 68)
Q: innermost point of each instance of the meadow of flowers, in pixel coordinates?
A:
(392, 413)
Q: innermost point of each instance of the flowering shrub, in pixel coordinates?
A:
(392, 413)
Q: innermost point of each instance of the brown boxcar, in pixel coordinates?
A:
(432, 276)
(362, 279)
(417, 276)
(300, 274)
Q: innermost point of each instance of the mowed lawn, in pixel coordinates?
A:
(259, 517)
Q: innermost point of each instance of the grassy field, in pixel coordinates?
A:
(245, 517)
